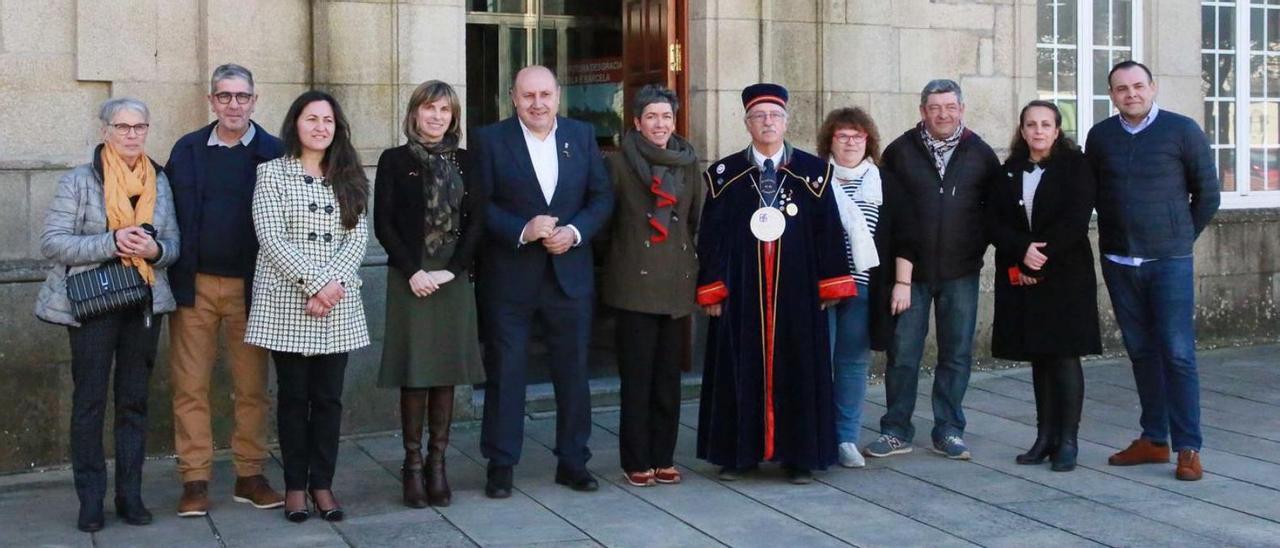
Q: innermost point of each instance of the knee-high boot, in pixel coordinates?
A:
(413, 407)
(1046, 423)
(439, 418)
(1069, 387)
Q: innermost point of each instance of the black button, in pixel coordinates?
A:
(311, 236)
(308, 179)
(313, 207)
(328, 237)
(328, 209)
(325, 183)
(302, 281)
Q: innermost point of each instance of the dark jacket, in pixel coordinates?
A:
(951, 239)
(1157, 190)
(895, 237)
(504, 171)
(398, 213)
(1059, 315)
(187, 171)
(651, 278)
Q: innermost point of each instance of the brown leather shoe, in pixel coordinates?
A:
(256, 491)
(1189, 465)
(1141, 451)
(195, 499)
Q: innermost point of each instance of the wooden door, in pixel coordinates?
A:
(653, 51)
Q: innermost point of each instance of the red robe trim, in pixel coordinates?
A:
(770, 301)
(839, 287)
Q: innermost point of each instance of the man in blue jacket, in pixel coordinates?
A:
(1157, 191)
(548, 197)
(212, 171)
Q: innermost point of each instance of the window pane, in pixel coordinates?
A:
(501, 6)
(1226, 75)
(1211, 122)
(1263, 123)
(1044, 71)
(1273, 29)
(1101, 110)
(1207, 25)
(1227, 122)
(1066, 21)
(1270, 179)
(1255, 29)
(1227, 168)
(1226, 28)
(1101, 23)
(1121, 10)
(1044, 21)
(1256, 81)
(1101, 67)
(1068, 109)
(1066, 72)
(1208, 74)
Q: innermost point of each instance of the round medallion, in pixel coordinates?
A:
(768, 224)
(792, 210)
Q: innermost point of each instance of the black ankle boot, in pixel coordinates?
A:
(1069, 395)
(1064, 459)
(133, 511)
(1046, 421)
(91, 519)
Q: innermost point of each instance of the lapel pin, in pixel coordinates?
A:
(566, 150)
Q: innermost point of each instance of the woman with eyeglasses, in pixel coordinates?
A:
(877, 246)
(117, 207)
(1046, 308)
(309, 213)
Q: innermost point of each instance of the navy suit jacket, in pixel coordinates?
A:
(583, 198)
(187, 171)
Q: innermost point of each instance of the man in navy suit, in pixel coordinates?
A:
(548, 196)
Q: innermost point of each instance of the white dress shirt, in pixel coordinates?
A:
(759, 157)
(546, 165)
(1030, 182)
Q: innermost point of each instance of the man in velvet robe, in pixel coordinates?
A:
(766, 385)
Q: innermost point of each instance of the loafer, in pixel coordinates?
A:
(1189, 466)
(668, 475)
(1140, 451)
(91, 519)
(257, 491)
(578, 480)
(499, 483)
(133, 512)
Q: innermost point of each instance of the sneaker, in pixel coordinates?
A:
(850, 457)
(257, 491)
(643, 478)
(668, 475)
(886, 445)
(953, 447)
(195, 499)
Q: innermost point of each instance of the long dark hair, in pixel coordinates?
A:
(341, 164)
(1018, 148)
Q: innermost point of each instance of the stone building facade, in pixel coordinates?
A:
(59, 59)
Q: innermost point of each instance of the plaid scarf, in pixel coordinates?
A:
(940, 147)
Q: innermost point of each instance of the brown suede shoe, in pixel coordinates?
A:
(256, 491)
(195, 499)
(1189, 465)
(1141, 451)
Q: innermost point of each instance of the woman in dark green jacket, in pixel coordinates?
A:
(650, 276)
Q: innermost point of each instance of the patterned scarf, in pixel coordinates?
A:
(940, 147)
(119, 185)
(658, 170)
(442, 189)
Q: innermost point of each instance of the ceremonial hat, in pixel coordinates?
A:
(756, 94)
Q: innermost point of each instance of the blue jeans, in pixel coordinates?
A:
(956, 307)
(850, 360)
(1155, 309)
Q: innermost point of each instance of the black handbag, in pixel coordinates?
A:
(111, 287)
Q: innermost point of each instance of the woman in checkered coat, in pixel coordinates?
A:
(309, 213)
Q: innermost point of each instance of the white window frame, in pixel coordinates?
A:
(1084, 47)
(1243, 196)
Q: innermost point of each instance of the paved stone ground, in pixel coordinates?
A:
(913, 500)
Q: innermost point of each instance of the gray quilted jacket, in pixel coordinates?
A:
(76, 239)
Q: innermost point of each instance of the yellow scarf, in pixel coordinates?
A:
(119, 185)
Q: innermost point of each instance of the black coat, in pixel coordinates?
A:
(895, 237)
(948, 212)
(1059, 315)
(399, 212)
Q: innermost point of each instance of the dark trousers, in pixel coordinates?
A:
(649, 347)
(568, 330)
(955, 308)
(1155, 309)
(123, 338)
(309, 417)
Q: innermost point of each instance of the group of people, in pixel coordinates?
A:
(804, 264)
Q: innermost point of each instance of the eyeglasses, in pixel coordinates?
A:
(225, 98)
(124, 129)
(758, 117)
(846, 138)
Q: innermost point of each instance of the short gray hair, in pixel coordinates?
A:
(651, 94)
(111, 107)
(941, 85)
(227, 71)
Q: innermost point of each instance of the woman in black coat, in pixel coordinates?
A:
(1046, 308)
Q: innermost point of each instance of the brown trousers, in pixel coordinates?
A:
(193, 352)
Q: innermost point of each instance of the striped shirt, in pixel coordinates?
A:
(870, 212)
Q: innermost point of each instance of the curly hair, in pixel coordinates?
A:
(849, 118)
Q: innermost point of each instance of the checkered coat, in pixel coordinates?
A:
(303, 247)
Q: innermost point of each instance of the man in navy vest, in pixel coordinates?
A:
(212, 171)
(548, 196)
(1157, 191)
